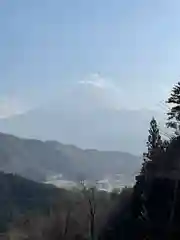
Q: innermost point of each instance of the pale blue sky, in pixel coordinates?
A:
(46, 44)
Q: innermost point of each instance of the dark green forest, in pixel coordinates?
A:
(45, 212)
(20, 196)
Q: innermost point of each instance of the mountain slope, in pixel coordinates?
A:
(21, 196)
(115, 130)
(36, 160)
(88, 115)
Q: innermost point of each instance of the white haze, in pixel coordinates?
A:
(93, 113)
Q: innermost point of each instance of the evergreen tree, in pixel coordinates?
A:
(154, 144)
(174, 113)
(154, 139)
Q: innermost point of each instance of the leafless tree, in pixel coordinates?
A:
(90, 196)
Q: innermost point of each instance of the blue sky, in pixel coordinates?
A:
(46, 45)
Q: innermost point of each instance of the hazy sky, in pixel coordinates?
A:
(134, 46)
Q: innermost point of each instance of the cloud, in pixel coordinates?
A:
(98, 81)
(10, 106)
(130, 96)
(105, 90)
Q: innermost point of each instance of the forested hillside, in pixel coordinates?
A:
(19, 196)
(42, 211)
(36, 160)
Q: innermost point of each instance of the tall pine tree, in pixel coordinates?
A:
(174, 113)
(154, 139)
(154, 144)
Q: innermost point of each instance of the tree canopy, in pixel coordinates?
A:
(174, 111)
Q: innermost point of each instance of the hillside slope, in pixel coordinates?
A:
(20, 196)
(36, 160)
